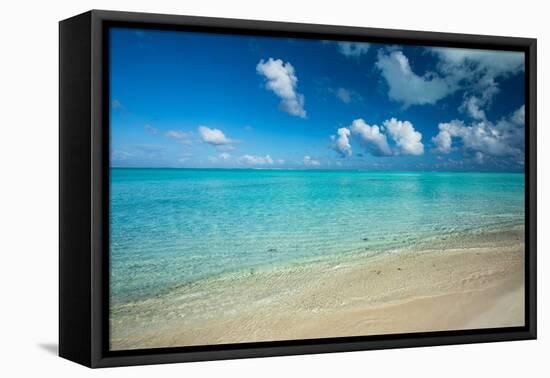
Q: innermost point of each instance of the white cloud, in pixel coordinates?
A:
(371, 138)
(256, 160)
(518, 117)
(407, 87)
(478, 71)
(443, 141)
(341, 143)
(407, 139)
(281, 79)
(214, 137)
(494, 62)
(480, 136)
(179, 136)
(472, 106)
(353, 49)
(503, 138)
(311, 162)
(374, 138)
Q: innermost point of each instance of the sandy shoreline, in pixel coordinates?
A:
(455, 284)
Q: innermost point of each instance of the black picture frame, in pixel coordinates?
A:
(84, 189)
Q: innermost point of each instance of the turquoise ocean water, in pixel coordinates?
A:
(171, 227)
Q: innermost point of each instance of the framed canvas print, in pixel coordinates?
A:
(234, 188)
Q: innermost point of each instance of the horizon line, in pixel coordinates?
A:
(319, 169)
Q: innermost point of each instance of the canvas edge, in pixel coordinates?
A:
(75, 336)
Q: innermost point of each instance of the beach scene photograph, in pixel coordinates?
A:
(271, 189)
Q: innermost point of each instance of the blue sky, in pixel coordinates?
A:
(193, 100)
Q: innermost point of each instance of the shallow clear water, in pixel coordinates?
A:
(174, 226)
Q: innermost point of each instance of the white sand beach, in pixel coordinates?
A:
(453, 284)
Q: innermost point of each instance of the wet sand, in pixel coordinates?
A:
(452, 284)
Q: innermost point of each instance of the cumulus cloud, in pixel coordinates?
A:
(407, 139)
(472, 106)
(256, 160)
(341, 142)
(371, 138)
(443, 141)
(353, 49)
(483, 137)
(281, 79)
(179, 136)
(406, 86)
(478, 72)
(215, 137)
(480, 136)
(311, 162)
(494, 62)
